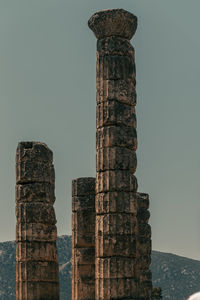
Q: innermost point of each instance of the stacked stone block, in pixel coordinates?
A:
(116, 143)
(83, 238)
(36, 233)
(118, 224)
(143, 246)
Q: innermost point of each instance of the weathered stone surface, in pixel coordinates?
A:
(115, 67)
(35, 213)
(85, 272)
(119, 202)
(113, 22)
(120, 90)
(116, 136)
(143, 262)
(115, 202)
(84, 256)
(146, 276)
(115, 245)
(83, 229)
(83, 186)
(34, 171)
(117, 288)
(146, 290)
(37, 290)
(36, 251)
(83, 222)
(142, 200)
(118, 223)
(84, 290)
(115, 113)
(37, 232)
(37, 271)
(146, 284)
(144, 230)
(83, 203)
(115, 267)
(144, 246)
(122, 234)
(143, 215)
(34, 163)
(119, 180)
(83, 238)
(35, 192)
(142, 242)
(34, 151)
(116, 158)
(115, 46)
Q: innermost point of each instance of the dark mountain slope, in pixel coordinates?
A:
(178, 276)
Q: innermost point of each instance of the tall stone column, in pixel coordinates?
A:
(83, 238)
(116, 143)
(36, 234)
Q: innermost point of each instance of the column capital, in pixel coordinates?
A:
(113, 22)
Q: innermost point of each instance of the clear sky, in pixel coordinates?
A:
(47, 93)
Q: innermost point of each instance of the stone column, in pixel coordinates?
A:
(83, 238)
(36, 234)
(143, 246)
(116, 144)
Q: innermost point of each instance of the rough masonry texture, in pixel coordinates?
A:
(83, 238)
(123, 236)
(36, 233)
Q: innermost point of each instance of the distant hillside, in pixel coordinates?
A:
(178, 276)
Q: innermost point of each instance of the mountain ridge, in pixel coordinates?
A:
(178, 276)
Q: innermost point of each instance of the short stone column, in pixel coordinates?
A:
(83, 238)
(36, 234)
(116, 144)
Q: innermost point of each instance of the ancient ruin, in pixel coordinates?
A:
(111, 237)
(122, 237)
(36, 234)
(122, 233)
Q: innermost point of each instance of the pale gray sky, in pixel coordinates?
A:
(47, 93)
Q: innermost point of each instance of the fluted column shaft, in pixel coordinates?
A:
(83, 238)
(116, 237)
(36, 234)
(116, 163)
